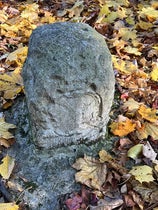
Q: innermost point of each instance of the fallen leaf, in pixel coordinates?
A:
(135, 151)
(144, 25)
(142, 173)
(148, 129)
(6, 167)
(107, 204)
(147, 113)
(4, 127)
(132, 105)
(122, 66)
(149, 12)
(74, 202)
(18, 56)
(129, 201)
(4, 143)
(123, 127)
(137, 199)
(8, 206)
(149, 193)
(30, 12)
(148, 151)
(92, 173)
(76, 10)
(11, 85)
(154, 73)
(127, 33)
(106, 157)
(132, 50)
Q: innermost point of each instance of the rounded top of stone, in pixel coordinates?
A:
(70, 30)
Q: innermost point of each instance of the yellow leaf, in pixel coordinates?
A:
(148, 129)
(48, 18)
(121, 12)
(135, 151)
(132, 50)
(132, 105)
(111, 17)
(30, 12)
(130, 20)
(11, 85)
(3, 16)
(126, 67)
(144, 25)
(4, 127)
(8, 206)
(150, 12)
(92, 173)
(142, 173)
(18, 56)
(123, 127)
(104, 10)
(6, 167)
(147, 113)
(127, 34)
(154, 73)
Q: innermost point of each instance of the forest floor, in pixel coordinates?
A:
(130, 28)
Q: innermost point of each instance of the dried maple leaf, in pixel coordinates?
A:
(132, 50)
(30, 12)
(132, 105)
(6, 167)
(142, 173)
(8, 206)
(149, 12)
(4, 127)
(147, 113)
(147, 129)
(123, 127)
(18, 56)
(127, 33)
(92, 173)
(11, 85)
(125, 67)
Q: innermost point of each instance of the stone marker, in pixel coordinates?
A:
(69, 84)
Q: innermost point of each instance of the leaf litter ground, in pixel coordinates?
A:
(130, 28)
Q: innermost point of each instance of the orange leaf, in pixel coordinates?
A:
(123, 127)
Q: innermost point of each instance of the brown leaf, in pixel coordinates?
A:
(148, 129)
(91, 172)
(108, 204)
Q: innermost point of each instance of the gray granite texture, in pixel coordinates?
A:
(69, 84)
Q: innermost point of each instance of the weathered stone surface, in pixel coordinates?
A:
(69, 84)
(44, 175)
